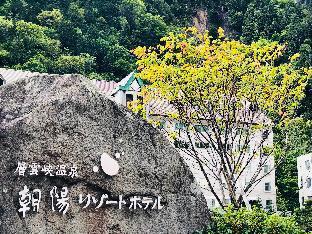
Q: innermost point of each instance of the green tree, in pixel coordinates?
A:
(82, 64)
(50, 18)
(212, 82)
(144, 28)
(23, 41)
(292, 140)
(105, 30)
(261, 20)
(38, 63)
(298, 32)
(304, 217)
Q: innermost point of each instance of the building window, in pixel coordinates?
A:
(213, 203)
(302, 200)
(308, 164)
(248, 149)
(1, 81)
(266, 169)
(201, 128)
(162, 124)
(140, 98)
(268, 205)
(181, 144)
(180, 126)
(255, 203)
(308, 182)
(267, 187)
(301, 183)
(202, 145)
(265, 134)
(129, 98)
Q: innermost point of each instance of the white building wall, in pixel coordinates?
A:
(258, 193)
(304, 166)
(120, 95)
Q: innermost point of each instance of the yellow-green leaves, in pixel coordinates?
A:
(221, 70)
(227, 86)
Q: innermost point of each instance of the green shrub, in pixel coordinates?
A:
(304, 217)
(255, 221)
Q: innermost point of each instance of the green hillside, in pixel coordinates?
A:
(95, 37)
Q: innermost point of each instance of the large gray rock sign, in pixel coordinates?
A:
(63, 120)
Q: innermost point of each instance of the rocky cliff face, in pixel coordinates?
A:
(63, 120)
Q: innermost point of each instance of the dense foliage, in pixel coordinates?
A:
(95, 37)
(291, 141)
(304, 217)
(88, 37)
(255, 221)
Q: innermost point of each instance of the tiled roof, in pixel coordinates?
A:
(11, 75)
(105, 87)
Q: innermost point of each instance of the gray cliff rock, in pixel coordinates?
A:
(64, 120)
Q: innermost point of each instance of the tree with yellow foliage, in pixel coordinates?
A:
(237, 93)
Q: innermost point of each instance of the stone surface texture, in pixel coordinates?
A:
(56, 120)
